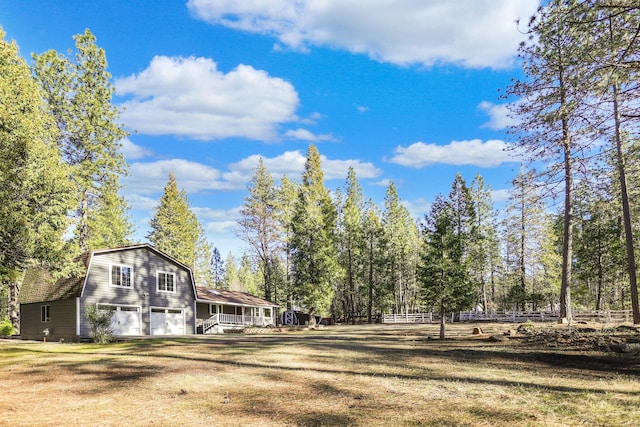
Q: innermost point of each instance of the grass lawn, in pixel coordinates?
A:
(366, 375)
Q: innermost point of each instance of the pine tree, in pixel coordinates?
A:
(373, 236)
(444, 271)
(217, 268)
(352, 245)
(550, 109)
(78, 93)
(258, 226)
(203, 269)
(314, 252)
(231, 280)
(247, 276)
(287, 196)
(401, 239)
(174, 227)
(484, 248)
(34, 188)
(616, 54)
(524, 225)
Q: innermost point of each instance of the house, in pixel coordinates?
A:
(149, 292)
(218, 309)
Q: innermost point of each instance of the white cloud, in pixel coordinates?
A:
(305, 135)
(291, 163)
(498, 116)
(417, 208)
(151, 177)
(132, 151)
(471, 33)
(313, 119)
(474, 152)
(385, 182)
(499, 196)
(191, 97)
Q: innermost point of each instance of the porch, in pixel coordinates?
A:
(217, 310)
(222, 320)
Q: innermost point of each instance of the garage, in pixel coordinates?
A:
(125, 320)
(167, 321)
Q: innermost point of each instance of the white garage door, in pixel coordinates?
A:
(166, 321)
(125, 321)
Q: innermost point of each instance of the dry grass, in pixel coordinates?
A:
(366, 375)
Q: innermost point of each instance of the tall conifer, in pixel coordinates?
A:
(315, 263)
(78, 93)
(174, 227)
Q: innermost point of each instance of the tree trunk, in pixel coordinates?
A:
(567, 242)
(600, 282)
(523, 236)
(626, 210)
(14, 309)
(83, 228)
(370, 302)
(443, 319)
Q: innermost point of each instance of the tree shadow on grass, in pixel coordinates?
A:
(378, 359)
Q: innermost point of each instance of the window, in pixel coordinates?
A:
(166, 282)
(45, 313)
(121, 276)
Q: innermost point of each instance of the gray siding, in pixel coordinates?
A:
(62, 324)
(143, 293)
(202, 311)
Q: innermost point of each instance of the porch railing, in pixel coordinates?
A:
(234, 320)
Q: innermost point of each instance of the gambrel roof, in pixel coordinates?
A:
(39, 285)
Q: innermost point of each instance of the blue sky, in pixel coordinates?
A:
(404, 91)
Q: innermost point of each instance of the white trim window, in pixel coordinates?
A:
(45, 313)
(166, 282)
(121, 276)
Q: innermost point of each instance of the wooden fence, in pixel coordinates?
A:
(602, 316)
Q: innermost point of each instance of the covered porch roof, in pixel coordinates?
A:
(224, 297)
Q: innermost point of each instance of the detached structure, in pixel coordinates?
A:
(149, 292)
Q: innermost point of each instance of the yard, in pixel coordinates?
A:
(366, 375)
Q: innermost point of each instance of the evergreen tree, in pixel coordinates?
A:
(444, 270)
(314, 252)
(174, 227)
(247, 276)
(258, 226)
(484, 248)
(231, 280)
(34, 189)
(616, 54)
(524, 225)
(203, 270)
(78, 93)
(600, 258)
(401, 239)
(217, 268)
(352, 246)
(287, 196)
(550, 110)
(373, 236)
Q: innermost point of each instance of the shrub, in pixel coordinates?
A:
(100, 324)
(6, 328)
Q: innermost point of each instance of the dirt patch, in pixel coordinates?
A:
(622, 339)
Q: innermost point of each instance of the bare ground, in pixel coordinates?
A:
(365, 375)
